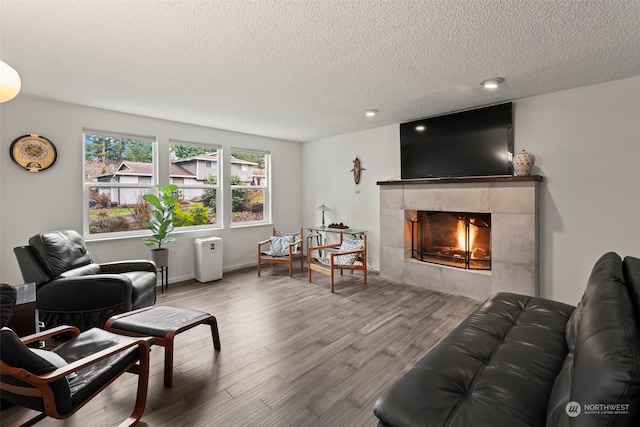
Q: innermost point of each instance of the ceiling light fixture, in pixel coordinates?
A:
(370, 113)
(420, 128)
(9, 82)
(492, 83)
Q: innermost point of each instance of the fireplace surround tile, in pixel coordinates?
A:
(464, 198)
(512, 278)
(513, 238)
(516, 198)
(424, 198)
(392, 220)
(513, 204)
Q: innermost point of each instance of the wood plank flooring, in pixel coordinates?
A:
(293, 354)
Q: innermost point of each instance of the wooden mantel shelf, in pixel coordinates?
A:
(463, 180)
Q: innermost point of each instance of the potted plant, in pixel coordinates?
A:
(161, 221)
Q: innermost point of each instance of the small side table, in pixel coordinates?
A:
(164, 277)
(24, 320)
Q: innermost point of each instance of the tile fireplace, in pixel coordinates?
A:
(491, 234)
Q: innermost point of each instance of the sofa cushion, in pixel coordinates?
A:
(603, 364)
(60, 251)
(631, 270)
(495, 369)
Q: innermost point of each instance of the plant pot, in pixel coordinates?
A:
(160, 257)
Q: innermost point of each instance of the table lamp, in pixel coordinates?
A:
(323, 208)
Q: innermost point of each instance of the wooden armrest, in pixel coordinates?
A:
(90, 360)
(28, 339)
(334, 245)
(356, 251)
(264, 242)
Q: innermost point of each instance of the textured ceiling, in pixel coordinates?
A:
(304, 70)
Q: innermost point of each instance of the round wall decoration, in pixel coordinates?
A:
(33, 152)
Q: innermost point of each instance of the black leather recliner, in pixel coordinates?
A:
(74, 290)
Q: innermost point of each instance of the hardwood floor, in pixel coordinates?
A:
(293, 354)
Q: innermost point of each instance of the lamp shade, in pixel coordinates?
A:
(9, 82)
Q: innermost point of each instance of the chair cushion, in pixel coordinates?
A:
(92, 378)
(280, 245)
(54, 358)
(325, 260)
(84, 270)
(349, 245)
(14, 353)
(296, 236)
(60, 251)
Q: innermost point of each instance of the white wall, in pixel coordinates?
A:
(587, 147)
(31, 203)
(328, 179)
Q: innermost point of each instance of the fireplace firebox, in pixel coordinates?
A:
(456, 239)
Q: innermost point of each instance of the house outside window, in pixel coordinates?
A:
(250, 188)
(194, 169)
(118, 170)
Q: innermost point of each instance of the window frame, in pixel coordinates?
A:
(218, 187)
(86, 186)
(266, 187)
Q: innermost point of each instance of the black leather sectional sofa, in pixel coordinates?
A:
(526, 361)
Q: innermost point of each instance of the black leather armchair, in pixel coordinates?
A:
(74, 290)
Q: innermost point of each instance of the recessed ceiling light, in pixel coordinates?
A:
(370, 113)
(420, 128)
(492, 83)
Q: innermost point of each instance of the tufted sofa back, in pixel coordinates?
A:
(600, 377)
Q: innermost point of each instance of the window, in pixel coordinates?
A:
(194, 169)
(118, 171)
(250, 194)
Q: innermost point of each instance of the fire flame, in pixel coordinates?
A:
(461, 232)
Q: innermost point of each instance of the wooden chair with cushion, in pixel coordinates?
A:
(58, 382)
(349, 254)
(281, 248)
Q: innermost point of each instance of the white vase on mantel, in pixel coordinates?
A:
(523, 163)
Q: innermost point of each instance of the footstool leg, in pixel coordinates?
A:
(168, 362)
(214, 332)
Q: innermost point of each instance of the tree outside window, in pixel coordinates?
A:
(249, 186)
(195, 169)
(118, 171)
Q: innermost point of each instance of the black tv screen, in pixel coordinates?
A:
(469, 143)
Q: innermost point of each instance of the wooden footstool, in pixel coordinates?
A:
(162, 323)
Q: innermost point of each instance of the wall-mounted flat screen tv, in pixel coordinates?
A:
(469, 143)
